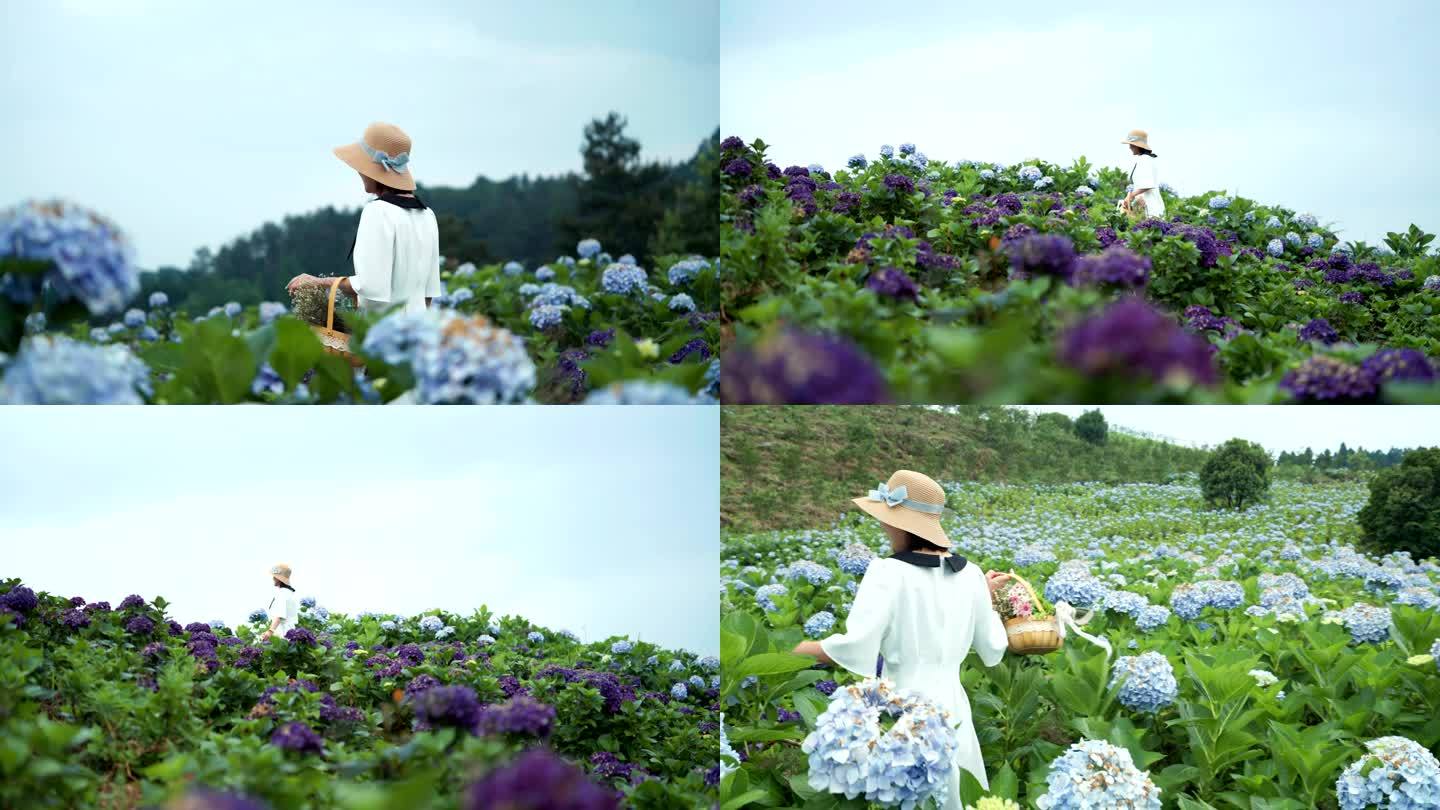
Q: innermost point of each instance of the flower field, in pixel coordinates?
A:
(584, 328)
(1260, 660)
(121, 706)
(902, 278)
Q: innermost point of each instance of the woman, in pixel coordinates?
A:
(923, 609)
(397, 248)
(1144, 184)
(284, 608)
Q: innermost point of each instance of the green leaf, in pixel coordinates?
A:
(773, 664)
(296, 350)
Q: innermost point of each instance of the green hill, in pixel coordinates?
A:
(797, 467)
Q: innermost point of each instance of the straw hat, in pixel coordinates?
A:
(909, 501)
(1137, 137)
(382, 154)
(281, 571)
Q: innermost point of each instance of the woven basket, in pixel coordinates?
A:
(1036, 635)
(335, 341)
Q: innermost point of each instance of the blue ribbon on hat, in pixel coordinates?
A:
(900, 497)
(394, 164)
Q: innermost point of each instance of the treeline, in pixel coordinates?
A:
(645, 208)
(798, 467)
(1343, 459)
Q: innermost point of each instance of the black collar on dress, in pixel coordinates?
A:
(402, 200)
(955, 562)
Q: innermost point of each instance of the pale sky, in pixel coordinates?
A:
(1276, 427)
(191, 123)
(600, 520)
(1320, 107)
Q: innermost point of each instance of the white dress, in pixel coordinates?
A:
(924, 618)
(397, 257)
(1142, 175)
(284, 606)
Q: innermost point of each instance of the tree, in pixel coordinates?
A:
(1091, 427)
(1403, 513)
(1236, 475)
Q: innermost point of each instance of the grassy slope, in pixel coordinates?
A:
(797, 466)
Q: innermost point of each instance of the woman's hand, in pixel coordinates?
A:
(302, 280)
(995, 579)
(265, 636)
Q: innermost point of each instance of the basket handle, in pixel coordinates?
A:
(1034, 598)
(330, 307)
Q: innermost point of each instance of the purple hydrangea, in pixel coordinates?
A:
(615, 693)
(301, 636)
(600, 338)
(1116, 265)
(739, 167)
(1352, 297)
(1131, 339)
(75, 619)
(1329, 379)
(732, 144)
(892, 282)
(420, 683)
(447, 707)
(140, 626)
(607, 766)
(1399, 364)
(899, 183)
(538, 780)
(297, 737)
(1042, 254)
(1319, 329)
(520, 715)
(104, 607)
(695, 346)
(19, 599)
(799, 368)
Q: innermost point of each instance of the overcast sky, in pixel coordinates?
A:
(1320, 107)
(1277, 427)
(192, 123)
(598, 520)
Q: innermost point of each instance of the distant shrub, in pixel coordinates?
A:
(1403, 513)
(1236, 475)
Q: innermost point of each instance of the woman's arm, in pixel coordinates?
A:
(274, 623)
(814, 650)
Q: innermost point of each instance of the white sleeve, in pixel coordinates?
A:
(989, 640)
(432, 284)
(859, 646)
(374, 255)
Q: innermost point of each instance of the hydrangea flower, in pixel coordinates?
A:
(1132, 339)
(799, 368)
(456, 360)
(538, 780)
(1275, 248)
(430, 624)
(857, 162)
(1030, 174)
(887, 151)
(387, 625)
(547, 316)
(1432, 283)
(812, 572)
(987, 174)
(1095, 775)
(1306, 220)
(852, 754)
(1076, 585)
(485, 640)
(1322, 378)
(645, 392)
(1395, 772)
(623, 279)
(1315, 241)
(621, 647)
(819, 624)
(765, 597)
(587, 248)
(513, 268)
(1367, 624)
(1117, 265)
(1152, 617)
(56, 370)
(854, 559)
(535, 637)
(90, 261)
(1218, 202)
(679, 691)
(681, 302)
(446, 707)
(683, 272)
(1147, 682)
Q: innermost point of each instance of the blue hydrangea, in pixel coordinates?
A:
(852, 754)
(307, 601)
(1219, 201)
(233, 309)
(676, 665)
(907, 149)
(857, 162)
(1030, 174)
(1095, 775)
(1249, 217)
(465, 270)
(1306, 220)
(387, 625)
(1314, 241)
(1084, 191)
(90, 261)
(134, 318)
(1432, 283)
(1032, 555)
(1292, 238)
(919, 161)
(603, 260)
(55, 370)
(258, 615)
(678, 691)
(712, 377)
(1395, 772)
(552, 294)
(485, 640)
(816, 168)
(1146, 681)
(1125, 602)
(535, 637)
(1188, 600)
(493, 629)
(680, 302)
(887, 151)
(854, 559)
(430, 624)
(1435, 652)
(765, 596)
(711, 663)
(544, 273)
(1074, 584)
(820, 624)
(587, 248)
(1275, 248)
(547, 316)
(460, 296)
(697, 682)
(623, 279)
(1152, 617)
(462, 361)
(513, 269)
(1274, 222)
(683, 272)
(270, 310)
(1367, 624)
(987, 174)
(397, 336)
(645, 392)
(99, 335)
(812, 572)
(625, 258)
(159, 299)
(35, 322)
(621, 647)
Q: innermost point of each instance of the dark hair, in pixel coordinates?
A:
(1143, 150)
(914, 542)
(280, 584)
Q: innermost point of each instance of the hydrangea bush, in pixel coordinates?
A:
(1258, 650)
(342, 712)
(584, 328)
(909, 279)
